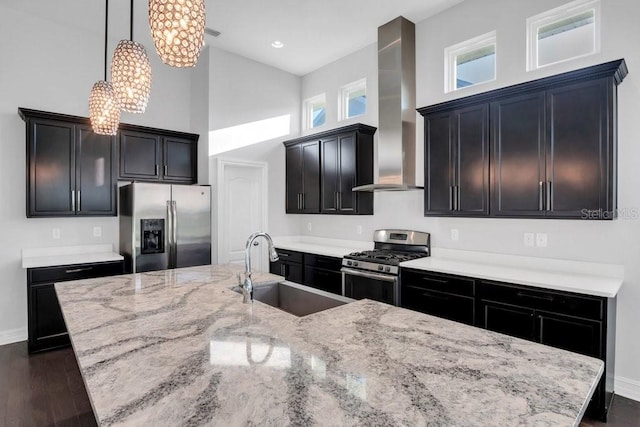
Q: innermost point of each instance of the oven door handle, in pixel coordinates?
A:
(369, 275)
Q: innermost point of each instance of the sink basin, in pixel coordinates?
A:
(296, 299)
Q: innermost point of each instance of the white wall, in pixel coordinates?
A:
(611, 242)
(244, 91)
(50, 65)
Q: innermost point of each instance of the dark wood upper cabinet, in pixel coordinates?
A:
(157, 156)
(457, 162)
(70, 169)
(323, 168)
(553, 142)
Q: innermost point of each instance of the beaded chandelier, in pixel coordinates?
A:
(177, 29)
(131, 73)
(104, 109)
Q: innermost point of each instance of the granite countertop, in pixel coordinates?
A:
(68, 255)
(178, 347)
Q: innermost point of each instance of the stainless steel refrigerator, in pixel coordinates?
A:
(164, 226)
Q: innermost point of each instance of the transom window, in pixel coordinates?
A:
(314, 111)
(564, 33)
(353, 99)
(470, 62)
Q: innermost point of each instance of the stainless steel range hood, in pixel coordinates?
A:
(396, 107)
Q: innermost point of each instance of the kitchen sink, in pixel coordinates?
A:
(296, 299)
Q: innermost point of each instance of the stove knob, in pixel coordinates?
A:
(380, 267)
(349, 263)
(387, 269)
(355, 263)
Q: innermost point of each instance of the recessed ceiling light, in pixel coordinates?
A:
(277, 44)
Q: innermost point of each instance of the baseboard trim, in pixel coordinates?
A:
(627, 387)
(13, 335)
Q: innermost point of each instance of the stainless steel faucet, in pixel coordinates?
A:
(247, 286)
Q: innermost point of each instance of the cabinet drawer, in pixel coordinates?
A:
(441, 304)
(553, 301)
(74, 272)
(326, 280)
(438, 282)
(289, 256)
(321, 261)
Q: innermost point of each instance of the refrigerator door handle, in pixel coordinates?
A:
(174, 231)
(169, 232)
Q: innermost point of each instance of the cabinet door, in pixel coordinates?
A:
(507, 319)
(330, 175)
(579, 150)
(325, 280)
(140, 156)
(51, 151)
(293, 199)
(439, 176)
(347, 199)
(95, 173)
(441, 304)
(180, 160)
(472, 160)
(46, 325)
(518, 155)
(570, 333)
(311, 177)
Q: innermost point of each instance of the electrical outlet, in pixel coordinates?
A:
(309, 226)
(529, 239)
(359, 229)
(97, 231)
(55, 233)
(455, 234)
(541, 240)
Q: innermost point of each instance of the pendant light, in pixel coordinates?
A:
(131, 73)
(177, 29)
(104, 110)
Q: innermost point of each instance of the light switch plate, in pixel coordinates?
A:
(97, 231)
(541, 240)
(309, 226)
(455, 234)
(359, 229)
(529, 239)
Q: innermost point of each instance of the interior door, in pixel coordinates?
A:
(242, 206)
(192, 211)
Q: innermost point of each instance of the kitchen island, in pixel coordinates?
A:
(178, 347)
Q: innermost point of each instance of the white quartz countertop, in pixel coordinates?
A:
(601, 280)
(321, 246)
(178, 347)
(68, 255)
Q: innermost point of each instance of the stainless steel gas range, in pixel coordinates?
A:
(375, 274)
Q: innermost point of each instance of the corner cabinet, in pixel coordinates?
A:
(323, 168)
(70, 170)
(552, 151)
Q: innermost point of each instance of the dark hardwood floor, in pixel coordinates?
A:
(46, 389)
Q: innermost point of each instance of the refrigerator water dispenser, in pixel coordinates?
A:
(152, 236)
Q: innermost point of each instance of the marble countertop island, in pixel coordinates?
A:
(178, 347)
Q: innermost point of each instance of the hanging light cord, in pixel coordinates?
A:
(106, 33)
(131, 22)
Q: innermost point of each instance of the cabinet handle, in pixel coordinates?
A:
(282, 254)
(282, 270)
(299, 203)
(540, 195)
(77, 270)
(79, 205)
(73, 200)
(540, 297)
(457, 197)
(157, 169)
(549, 196)
(435, 296)
(166, 170)
(451, 197)
(302, 200)
(336, 197)
(339, 199)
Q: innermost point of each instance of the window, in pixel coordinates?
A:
(470, 62)
(314, 113)
(353, 99)
(567, 32)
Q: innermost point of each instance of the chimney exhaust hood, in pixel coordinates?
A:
(396, 107)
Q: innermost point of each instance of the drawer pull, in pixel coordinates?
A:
(540, 297)
(435, 296)
(433, 279)
(283, 254)
(78, 270)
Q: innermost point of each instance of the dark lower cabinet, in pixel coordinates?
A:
(507, 319)
(446, 296)
(289, 265)
(323, 272)
(46, 327)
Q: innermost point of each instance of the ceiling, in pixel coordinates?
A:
(314, 33)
